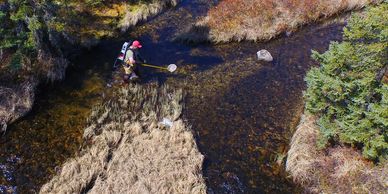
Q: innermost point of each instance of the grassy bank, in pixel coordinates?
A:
(127, 150)
(237, 20)
(140, 12)
(15, 102)
(337, 169)
(341, 143)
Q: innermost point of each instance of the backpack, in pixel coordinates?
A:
(124, 50)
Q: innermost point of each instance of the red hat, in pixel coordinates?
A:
(136, 44)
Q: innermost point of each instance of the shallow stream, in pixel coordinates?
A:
(242, 111)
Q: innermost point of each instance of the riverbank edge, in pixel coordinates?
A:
(338, 169)
(17, 100)
(130, 147)
(200, 32)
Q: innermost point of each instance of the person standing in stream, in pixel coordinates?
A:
(131, 61)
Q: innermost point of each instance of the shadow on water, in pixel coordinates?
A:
(242, 111)
(52, 132)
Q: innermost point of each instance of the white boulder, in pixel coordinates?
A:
(264, 55)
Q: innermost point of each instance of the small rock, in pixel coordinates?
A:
(3, 127)
(288, 33)
(264, 55)
(167, 122)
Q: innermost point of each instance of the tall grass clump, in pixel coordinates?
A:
(140, 11)
(338, 169)
(236, 20)
(128, 150)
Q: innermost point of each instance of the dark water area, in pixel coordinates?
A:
(52, 132)
(242, 111)
(244, 130)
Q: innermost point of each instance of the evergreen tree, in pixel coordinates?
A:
(348, 91)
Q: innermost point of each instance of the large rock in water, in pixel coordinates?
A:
(15, 103)
(264, 55)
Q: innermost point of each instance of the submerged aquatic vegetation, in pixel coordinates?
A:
(38, 37)
(247, 147)
(50, 134)
(127, 150)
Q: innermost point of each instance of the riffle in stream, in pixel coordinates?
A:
(242, 111)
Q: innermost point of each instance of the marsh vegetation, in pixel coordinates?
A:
(240, 111)
(128, 150)
(258, 20)
(38, 38)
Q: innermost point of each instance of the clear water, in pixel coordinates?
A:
(242, 111)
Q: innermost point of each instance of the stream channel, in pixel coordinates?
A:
(242, 111)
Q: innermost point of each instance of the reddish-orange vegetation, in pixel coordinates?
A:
(264, 19)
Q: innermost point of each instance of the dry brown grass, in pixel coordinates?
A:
(129, 151)
(335, 170)
(90, 24)
(236, 20)
(141, 12)
(15, 102)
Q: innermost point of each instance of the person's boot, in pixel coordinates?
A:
(126, 79)
(133, 77)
